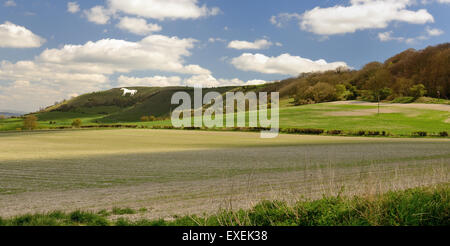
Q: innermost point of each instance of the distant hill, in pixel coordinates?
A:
(392, 79)
(10, 113)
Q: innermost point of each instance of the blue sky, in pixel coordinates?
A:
(51, 50)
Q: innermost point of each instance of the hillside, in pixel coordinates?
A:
(114, 107)
(405, 77)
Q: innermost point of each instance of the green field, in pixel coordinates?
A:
(395, 119)
(172, 172)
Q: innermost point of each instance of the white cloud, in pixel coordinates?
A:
(387, 36)
(98, 15)
(31, 85)
(163, 9)
(245, 45)
(14, 36)
(10, 3)
(429, 32)
(361, 15)
(107, 56)
(281, 19)
(214, 40)
(434, 31)
(57, 73)
(283, 64)
(208, 81)
(156, 81)
(138, 26)
(73, 7)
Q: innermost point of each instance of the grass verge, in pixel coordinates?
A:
(413, 207)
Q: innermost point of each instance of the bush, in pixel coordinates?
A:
(30, 122)
(76, 123)
(334, 132)
(417, 91)
(373, 133)
(404, 100)
(420, 134)
(304, 131)
(145, 119)
(443, 134)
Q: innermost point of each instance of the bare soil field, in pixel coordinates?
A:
(193, 172)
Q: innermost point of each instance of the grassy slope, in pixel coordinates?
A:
(403, 122)
(414, 207)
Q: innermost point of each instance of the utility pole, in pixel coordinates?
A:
(378, 104)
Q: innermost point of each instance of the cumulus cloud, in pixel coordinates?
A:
(387, 36)
(30, 85)
(57, 73)
(138, 26)
(214, 40)
(434, 31)
(14, 36)
(155, 52)
(98, 15)
(245, 45)
(73, 7)
(208, 81)
(163, 9)
(361, 15)
(281, 19)
(10, 3)
(156, 81)
(283, 64)
(429, 32)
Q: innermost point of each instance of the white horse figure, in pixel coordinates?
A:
(126, 91)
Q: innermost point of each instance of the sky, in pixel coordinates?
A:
(52, 50)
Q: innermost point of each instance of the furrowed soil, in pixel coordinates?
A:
(172, 172)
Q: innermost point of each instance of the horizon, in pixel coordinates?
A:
(55, 50)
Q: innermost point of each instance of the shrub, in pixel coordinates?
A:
(145, 119)
(417, 91)
(443, 134)
(76, 123)
(87, 218)
(404, 100)
(334, 132)
(30, 122)
(420, 134)
(304, 131)
(373, 133)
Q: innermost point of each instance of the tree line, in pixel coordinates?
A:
(410, 74)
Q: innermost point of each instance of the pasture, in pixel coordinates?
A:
(171, 172)
(395, 119)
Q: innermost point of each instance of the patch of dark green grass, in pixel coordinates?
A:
(122, 211)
